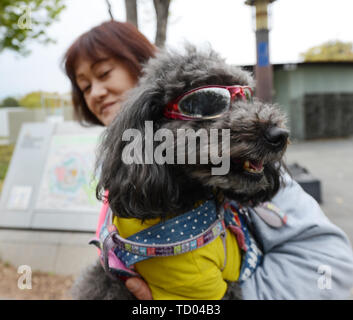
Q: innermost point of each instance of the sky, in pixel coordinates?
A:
(227, 25)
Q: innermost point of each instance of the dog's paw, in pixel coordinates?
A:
(94, 284)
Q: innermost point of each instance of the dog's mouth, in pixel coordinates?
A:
(254, 167)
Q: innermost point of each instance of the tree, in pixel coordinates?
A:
(109, 9)
(9, 102)
(131, 12)
(162, 12)
(329, 51)
(31, 100)
(38, 99)
(25, 20)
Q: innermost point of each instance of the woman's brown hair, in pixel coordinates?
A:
(120, 40)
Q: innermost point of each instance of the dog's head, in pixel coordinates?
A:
(151, 170)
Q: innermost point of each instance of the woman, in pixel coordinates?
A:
(103, 64)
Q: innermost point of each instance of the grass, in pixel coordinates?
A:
(6, 152)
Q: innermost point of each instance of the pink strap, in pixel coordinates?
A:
(102, 214)
(115, 263)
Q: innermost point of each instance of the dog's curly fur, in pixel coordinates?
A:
(146, 191)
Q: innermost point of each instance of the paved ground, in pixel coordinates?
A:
(331, 161)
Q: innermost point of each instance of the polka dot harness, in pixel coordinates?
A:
(189, 231)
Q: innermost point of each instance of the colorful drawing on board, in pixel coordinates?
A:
(68, 182)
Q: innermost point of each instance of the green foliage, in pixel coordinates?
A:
(329, 51)
(37, 98)
(25, 20)
(31, 100)
(5, 157)
(9, 102)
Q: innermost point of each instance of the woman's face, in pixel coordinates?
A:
(104, 84)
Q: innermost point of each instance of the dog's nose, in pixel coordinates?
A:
(276, 137)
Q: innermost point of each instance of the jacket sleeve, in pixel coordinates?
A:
(308, 258)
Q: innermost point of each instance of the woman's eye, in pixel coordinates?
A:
(104, 74)
(86, 89)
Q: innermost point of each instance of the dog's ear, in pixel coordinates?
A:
(136, 188)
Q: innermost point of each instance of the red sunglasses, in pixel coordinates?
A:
(206, 102)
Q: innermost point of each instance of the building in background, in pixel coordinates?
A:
(316, 96)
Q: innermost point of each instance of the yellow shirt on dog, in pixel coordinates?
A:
(192, 275)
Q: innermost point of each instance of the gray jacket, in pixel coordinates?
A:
(307, 258)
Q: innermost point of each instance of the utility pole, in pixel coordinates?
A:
(263, 69)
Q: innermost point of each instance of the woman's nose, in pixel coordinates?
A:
(98, 90)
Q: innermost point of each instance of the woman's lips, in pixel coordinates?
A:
(105, 108)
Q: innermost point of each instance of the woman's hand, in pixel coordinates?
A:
(139, 288)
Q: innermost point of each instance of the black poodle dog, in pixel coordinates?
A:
(197, 92)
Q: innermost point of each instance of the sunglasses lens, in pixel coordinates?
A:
(207, 102)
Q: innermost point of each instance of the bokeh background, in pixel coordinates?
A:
(311, 55)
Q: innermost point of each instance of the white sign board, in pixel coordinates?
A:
(50, 182)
